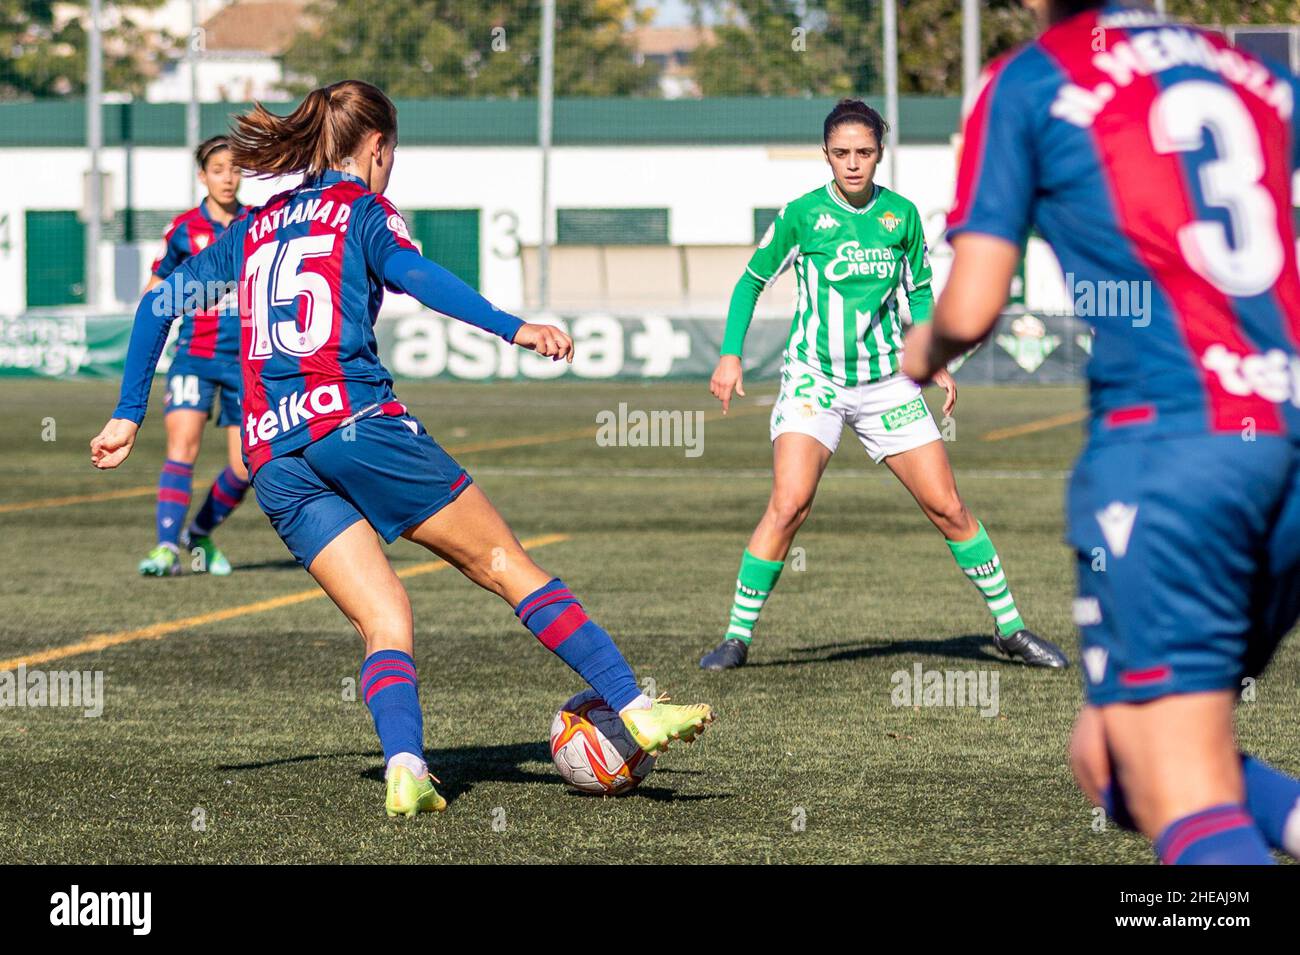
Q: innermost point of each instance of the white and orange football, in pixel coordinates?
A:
(593, 750)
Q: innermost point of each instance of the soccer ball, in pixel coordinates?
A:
(593, 750)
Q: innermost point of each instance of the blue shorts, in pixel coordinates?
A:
(386, 470)
(1188, 562)
(193, 384)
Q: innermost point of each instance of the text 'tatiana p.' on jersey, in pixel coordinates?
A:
(309, 266)
(1157, 161)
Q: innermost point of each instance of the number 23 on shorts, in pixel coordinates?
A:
(825, 399)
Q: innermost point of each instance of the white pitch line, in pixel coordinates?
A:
(689, 472)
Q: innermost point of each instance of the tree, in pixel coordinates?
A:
(421, 48)
(768, 48)
(753, 53)
(44, 49)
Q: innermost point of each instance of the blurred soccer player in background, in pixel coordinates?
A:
(853, 245)
(1154, 156)
(204, 372)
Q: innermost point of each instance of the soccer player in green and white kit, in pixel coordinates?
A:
(852, 244)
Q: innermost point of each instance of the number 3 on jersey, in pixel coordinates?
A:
(1251, 263)
(273, 278)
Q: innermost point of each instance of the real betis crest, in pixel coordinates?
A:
(1029, 344)
(890, 221)
(960, 360)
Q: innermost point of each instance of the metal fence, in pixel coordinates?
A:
(628, 171)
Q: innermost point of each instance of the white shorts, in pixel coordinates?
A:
(889, 416)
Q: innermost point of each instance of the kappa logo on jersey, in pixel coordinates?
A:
(1116, 522)
(1273, 376)
(293, 410)
(825, 221)
(1094, 662)
(852, 259)
(397, 226)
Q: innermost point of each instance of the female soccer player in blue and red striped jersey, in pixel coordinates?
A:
(1158, 160)
(334, 456)
(206, 366)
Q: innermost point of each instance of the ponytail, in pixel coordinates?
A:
(326, 128)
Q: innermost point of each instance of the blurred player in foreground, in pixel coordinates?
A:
(853, 245)
(1157, 161)
(335, 457)
(206, 365)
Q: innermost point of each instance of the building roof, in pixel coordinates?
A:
(661, 41)
(262, 26)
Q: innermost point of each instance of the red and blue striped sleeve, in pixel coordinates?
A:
(382, 232)
(1295, 120)
(221, 262)
(176, 247)
(199, 283)
(996, 169)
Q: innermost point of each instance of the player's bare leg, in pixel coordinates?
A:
(927, 474)
(235, 453)
(1175, 758)
(798, 462)
(184, 438)
(928, 477)
(471, 535)
(354, 571)
(227, 492)
(184, 434)
(1089, 759)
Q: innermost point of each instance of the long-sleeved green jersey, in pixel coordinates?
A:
(850, 263)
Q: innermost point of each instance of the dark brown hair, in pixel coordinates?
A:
(326, 128)
(209, 148)
(854, 111)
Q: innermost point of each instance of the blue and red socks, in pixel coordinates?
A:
(1273, 799)
(223, 497)
(556, 618)
(173, 500)
(391, 691)
(1220, 835)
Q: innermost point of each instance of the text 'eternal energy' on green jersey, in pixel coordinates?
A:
(850, 263)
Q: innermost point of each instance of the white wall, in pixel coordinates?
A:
(711, 193)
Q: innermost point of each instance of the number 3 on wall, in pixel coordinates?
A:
(273, 279)
(1179, 117)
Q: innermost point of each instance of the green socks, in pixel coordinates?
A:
(980, 562)
(756, 580)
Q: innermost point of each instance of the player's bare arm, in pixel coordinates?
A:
(546, 340)
(964, 315)
(728, 377)
(111, 446)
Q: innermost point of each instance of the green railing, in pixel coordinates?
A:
(462, 122)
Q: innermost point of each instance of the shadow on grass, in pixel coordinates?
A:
(461, 768)
(287, 563)
(978, 647)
